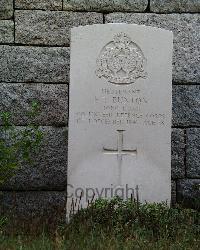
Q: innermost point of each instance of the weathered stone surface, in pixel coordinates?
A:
(173, 199)
(178, 153)
(52, 98)
(34, 205)
(50, 27)
(49, 168)
(6, 31)
(6, 9)
(33, 64)
(193, 153)
(106, 5)
(39, 4)
(168, 6)
(186, 39)
(186, 103)
(188, 192)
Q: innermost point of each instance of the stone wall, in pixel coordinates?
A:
(34, 64)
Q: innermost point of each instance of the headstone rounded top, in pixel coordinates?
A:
(117, 25)
(121, 61)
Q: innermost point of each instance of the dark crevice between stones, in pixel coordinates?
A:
(62, 5)
(10, 44)
(38, 9)
(185, 83)
(58, 190)
(189, 178)
(173, 12)
(186, 126)
(32, 82)
(148, 10)
(104, 18)
(109, 11)
(41, 45)
(72, 11)
(185, 152)
(14, 19)
(43, 126)
(25, 45)
(35, 45)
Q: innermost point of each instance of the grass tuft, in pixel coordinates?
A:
(114, 224)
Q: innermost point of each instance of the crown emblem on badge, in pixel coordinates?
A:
(121, 61)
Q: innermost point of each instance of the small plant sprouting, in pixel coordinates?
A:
(17, 145)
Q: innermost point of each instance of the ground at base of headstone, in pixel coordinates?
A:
(114, 224)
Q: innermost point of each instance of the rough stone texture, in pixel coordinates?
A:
(178, 153)
(6, 31)
(50, 27)
(168, 6)
(49, 168)
(6, 9)
(39, 4)
(53, 100)
(51, 65)
(186, 40)
(33, 205)
(186, 103)
(33, 64)
(173, 198)
(105, 5)
(188, 192)
(193, 153)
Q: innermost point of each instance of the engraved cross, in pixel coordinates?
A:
(120, 152)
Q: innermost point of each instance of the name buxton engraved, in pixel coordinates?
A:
(120, 107)
(121, 61)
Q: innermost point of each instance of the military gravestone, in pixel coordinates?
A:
(120, 113)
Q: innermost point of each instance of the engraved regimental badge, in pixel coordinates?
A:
(121, 61)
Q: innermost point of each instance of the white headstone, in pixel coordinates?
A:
(120, 113)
